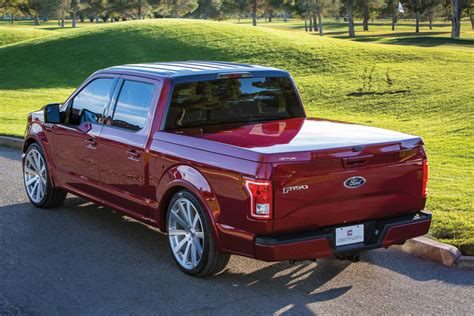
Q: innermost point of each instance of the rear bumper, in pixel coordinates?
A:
(321, 243)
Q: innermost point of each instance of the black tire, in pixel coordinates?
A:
(212, 261)
(53, 197)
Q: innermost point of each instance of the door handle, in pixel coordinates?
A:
(133, 155)
(91, 142)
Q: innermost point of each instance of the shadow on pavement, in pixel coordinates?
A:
(10, 153)
(91, 256)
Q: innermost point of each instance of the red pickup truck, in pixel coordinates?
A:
(222, 157)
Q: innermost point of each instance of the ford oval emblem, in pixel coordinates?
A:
(354, 182)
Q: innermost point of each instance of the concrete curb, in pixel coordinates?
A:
(465, 262)
(11, 142)
(432, 250)
(438, 252)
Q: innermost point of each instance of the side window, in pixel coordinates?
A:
(133, 104)
(88, 105)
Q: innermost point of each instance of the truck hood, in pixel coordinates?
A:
(296, 135)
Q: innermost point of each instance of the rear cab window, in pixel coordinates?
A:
(133, 104)
(232, 100)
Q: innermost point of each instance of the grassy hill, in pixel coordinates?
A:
(422, 91)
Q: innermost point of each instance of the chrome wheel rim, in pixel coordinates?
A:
(34, 173)
(186, 234)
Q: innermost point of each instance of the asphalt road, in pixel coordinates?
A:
(86, 259)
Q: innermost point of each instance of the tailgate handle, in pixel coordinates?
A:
(353, 162)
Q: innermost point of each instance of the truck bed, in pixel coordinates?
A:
(312, 160)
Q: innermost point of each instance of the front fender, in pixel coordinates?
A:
(186, 177)
(36, 134)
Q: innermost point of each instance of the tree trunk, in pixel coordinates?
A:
(310, 24)
(270, 16)
(456, 21)
(472, 21)
(74, 18)
(365, 23)
(417, 19)
(394, 20)
(431, 21)
(351, 20)
(305, 24)
(320, 22)
(12, 19)
(175, 13)
(315, 23)
(254, 12)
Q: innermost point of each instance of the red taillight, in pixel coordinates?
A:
(261, 197)
(425, 177)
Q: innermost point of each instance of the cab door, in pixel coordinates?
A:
(122, 149)
(76, 140)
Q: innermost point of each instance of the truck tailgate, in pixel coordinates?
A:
(348, 185)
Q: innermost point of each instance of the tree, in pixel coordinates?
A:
(255, 7)
(469, 11)
(456, 19)
(458, 9)
(93, 9)
(142, 8)
(287, 6)
(74, 8)
(367, 9)
(350, 18)
(120, 9)
(271, 6)
(418, 7)
(63, 10)
(34, 7)
(237, 6)
(213, 9)
(431, 12)
(14, 8)
(177, 8)
(390, 9)
(454, 10)
(313, 11)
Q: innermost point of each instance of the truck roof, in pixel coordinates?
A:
(184, 71)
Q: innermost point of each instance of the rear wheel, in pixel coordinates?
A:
(37, 181)
(190, 237)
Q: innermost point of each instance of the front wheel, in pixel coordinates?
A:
(190, 237)
(37, 181)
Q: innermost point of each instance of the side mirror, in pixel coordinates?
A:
(52, 114)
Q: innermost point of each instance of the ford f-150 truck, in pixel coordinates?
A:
(222, 157)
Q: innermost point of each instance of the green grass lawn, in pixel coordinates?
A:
(380, 31)
(427, 91)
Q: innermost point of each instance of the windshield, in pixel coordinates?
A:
(226, 101)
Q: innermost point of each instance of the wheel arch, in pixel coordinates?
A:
(185, 177)
(42, 142)
(27, 143)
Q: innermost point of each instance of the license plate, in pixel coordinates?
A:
(349, 235)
